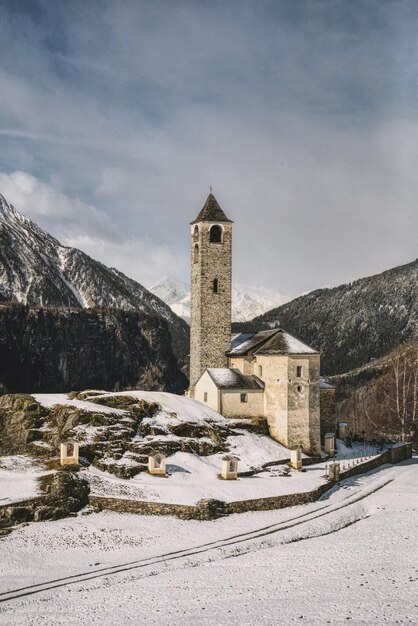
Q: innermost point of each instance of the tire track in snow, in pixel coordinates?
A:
(233, 541)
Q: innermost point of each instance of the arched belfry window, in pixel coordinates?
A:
(215, 285)
(196, 233)
(215, 234)
(195, 253)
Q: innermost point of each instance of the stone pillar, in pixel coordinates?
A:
(334, 472)
(296, 457)
(330, 444)
(229, 468)
(342, 430)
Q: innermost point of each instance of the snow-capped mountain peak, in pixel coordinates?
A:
(35, 269)
(247, 301)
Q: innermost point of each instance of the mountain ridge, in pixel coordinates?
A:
(36, 269)
(247, 301)
(353, 323)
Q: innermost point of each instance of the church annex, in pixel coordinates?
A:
(266, 374)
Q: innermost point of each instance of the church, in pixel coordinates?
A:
(266, 374)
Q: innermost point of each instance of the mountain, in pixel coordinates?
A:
(353, 323)
(35, 269)
(247, 302)
(60, 349)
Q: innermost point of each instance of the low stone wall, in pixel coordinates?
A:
(68, 493)
(277, 502)
(210, 509)
(400, 453)
(61, 501)
(205, 509)
(143, 508)
(392, 455)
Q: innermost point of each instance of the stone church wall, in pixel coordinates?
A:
(244, 364)
(231, 405)
(327, 409)
(210, 325)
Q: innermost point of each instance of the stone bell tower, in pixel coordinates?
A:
(210, 320)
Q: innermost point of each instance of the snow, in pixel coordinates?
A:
(48, 400)
(348, 558)
(192, 477)
(174, 408)
(248, 301)
(295, 346)
(18, 478)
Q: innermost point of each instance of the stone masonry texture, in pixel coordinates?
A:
(210, 323)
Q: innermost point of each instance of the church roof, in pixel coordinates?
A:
(246, 343)
(283, 343)
(275, 341)
(226, 378)
(211, 212)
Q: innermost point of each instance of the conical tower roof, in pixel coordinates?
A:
(211, 212)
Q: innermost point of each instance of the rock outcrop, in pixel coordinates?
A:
(115, 442)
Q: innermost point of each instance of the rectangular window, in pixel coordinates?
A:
(205, 396)
(299, 371)
(244, 397)
(260, 371)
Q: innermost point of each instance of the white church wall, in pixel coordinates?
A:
(206, 391)
(231, 405)
(303, 403)
(274, 369)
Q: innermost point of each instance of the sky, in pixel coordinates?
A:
(116, 117)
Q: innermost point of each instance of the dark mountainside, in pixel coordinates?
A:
(35, 269)
(353, 323)
(57, 350)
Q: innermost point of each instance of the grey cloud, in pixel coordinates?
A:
(301, 115)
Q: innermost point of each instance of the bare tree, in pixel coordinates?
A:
(400, 389)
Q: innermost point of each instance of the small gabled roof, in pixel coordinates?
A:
(227, 378)
(283, 343)
(211, 212)
(247, 343)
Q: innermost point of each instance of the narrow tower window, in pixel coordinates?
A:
(299, 371)
(196, 233)
(195, 253)
(215, 235)
(215, 285)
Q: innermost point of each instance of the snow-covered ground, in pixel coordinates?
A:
(174, 408)
(349, 558)
(18, 478)
(192, 477)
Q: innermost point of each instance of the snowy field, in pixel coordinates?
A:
(349, 558)
(193, 477)
(18, 478)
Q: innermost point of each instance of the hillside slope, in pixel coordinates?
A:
(353, 323)
(44, 350)
(35, 269)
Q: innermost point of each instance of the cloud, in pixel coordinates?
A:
(83, 226)
(116, 118)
